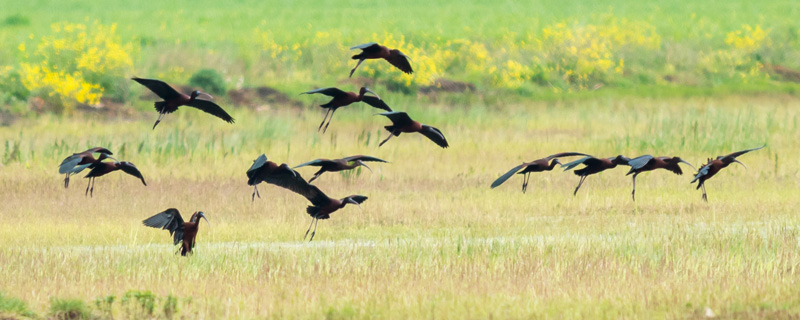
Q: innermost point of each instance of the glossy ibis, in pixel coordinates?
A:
(342, 164)
(78, 161)
(649, 163)
(594, 165)
(322, 205)
(181, 231)
(401, 122)
(711, 168)
(373, 50)
(263, 170)
(103, 168)
(342, 98)
(174, 99)
(539, 165)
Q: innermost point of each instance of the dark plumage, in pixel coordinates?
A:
(401, 122)
(174, 99)
(78, 161)
(103, 168)
(335, 165)
(649, 163)
(373, 50)
(538, 165)
(182, 232)
(711, 168)
(341, 98)
(267, 171)
(594, 165)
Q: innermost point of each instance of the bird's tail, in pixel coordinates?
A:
(313, 211)
(391, 129)
(160, 105)
(358, 56)
(581, 172)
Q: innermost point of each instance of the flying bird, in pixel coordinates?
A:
(401, 122)
(103, 168)
(540, 165)
(78, 161)
(594, 165)
(268, 171)
(649, 163)
(711, 168)
(342, 164)
(183, 233)
(342, 98)
(322, 205)
(373, 50)
(174, 99)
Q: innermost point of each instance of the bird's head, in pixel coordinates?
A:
(355, 199)
(200, 214)
(556, 161)
(197, 93)
(620, 159)
(365, 90)
(361, 163)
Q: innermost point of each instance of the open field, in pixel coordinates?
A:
(433, 240)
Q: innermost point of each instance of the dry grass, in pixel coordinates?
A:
(433, 240)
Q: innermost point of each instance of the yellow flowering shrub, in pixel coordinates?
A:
(737, 61)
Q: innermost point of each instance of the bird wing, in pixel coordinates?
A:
(397, 117)
(400, 60)
(160, 88)
(211, 108)
(375, 102)
(640, 162)
(371, 46)
(69, 163)
(316, 163)
(585, 160)
(435, 135)
(507, 175)
(331, 92)
(170, 220)
(565, 154)
(131, 169)
(252, 173)
(297, 184)
(739, 153)
(99, 150)
(363, 158)
(702, 172)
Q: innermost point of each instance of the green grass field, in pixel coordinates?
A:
(433, 240)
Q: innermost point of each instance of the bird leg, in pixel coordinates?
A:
(87, 187)
(160, 116)
(91, 191)
(309, 228)
(633, 193)
(387, 139)
(579, 185)
(705, 197)
(255, 193)
(525, 178)
(329, 121)
(323, 119)
(66, 181)
(315, 230)
(356, 67)
(314, 177)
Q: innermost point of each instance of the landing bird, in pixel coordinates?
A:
(401, 122)
(78, 161)
(649, 163)
(373, 50)
(539, 165)
(594, 165)
(342, 98)
(322, 205)
(342, 164)
(174, 99)
(103, 168)
(268, 171)
(181, 231)
(711, 168)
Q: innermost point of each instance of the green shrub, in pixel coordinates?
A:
(12, 306)
(69, 309)
(16, 20)
(208, 80)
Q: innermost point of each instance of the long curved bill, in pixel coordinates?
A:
(689, 164)
(365, 166)
(737, 161)
(204, 218)
(370, 91)
(205, 94)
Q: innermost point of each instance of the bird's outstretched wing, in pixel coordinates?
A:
(400, 60)
(363, 158)
(169, 220)
(131, 169)
(739, 153)
(297, 184)
(69, 163)
(99, 150)
(375, 102)
(367, 47)
(331, 92)
(507, 175)
(565, 154)
(588, 160)
(316, 163)
(160, 88)
(211, 108)
(639, 162)
(702, 172)
(397, 117)
(435, 135)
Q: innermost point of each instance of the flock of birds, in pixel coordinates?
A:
(322, 206)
